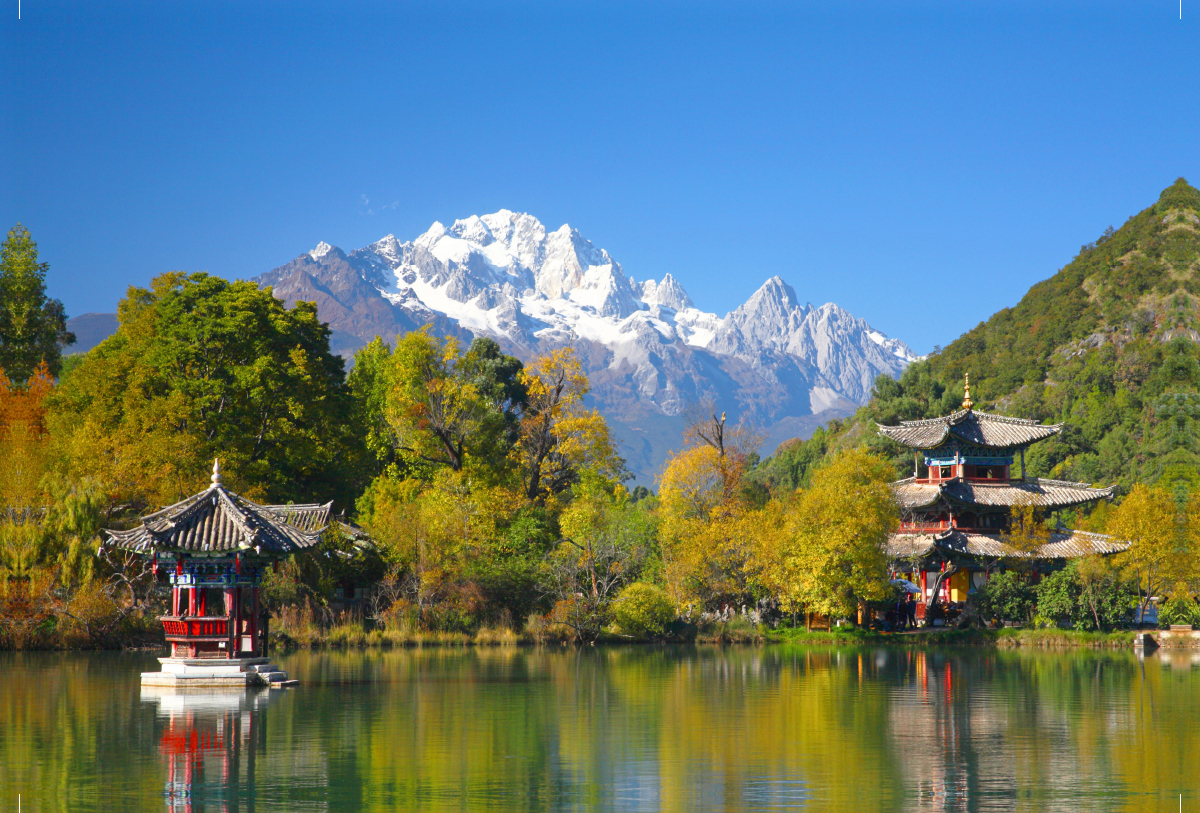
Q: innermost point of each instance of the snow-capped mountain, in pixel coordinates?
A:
(649, 351)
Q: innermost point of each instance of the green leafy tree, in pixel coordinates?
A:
(33, 328)
(444, 407)
(605, 543)
(202, 368)
(1090, 593)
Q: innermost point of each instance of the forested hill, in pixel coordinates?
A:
(1107, 345)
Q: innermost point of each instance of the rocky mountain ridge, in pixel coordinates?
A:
(649, 351)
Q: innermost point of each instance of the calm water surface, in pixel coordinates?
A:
(615, 729)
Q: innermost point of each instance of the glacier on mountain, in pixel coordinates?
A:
(780, 364)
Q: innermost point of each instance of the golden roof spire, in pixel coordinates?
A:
(967, 402)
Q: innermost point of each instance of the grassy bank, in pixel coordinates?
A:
(300, 630)
(1003, 638)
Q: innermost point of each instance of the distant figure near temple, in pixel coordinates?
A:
(213, 549)
(957, 507)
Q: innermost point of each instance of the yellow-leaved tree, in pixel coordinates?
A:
(707, 530)
(826, 553)
(559, 436)
(1147, 520)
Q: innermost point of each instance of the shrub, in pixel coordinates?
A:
(643, 610)
(1180, 608)
(1006, 596)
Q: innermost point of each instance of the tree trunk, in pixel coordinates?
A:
(933, 600)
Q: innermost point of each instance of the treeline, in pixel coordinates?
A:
(488, 493)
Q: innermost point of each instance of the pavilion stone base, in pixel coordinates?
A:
(1179, 637)
(232, 673)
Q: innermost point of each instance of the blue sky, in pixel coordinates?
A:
(919, 163)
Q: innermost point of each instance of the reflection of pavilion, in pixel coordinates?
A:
(208, 743)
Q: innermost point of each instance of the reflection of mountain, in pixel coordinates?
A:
(209, 744)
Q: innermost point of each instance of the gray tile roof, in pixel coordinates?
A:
(971, 426)
(1060, 545)
(1037, 491)
(217, 520)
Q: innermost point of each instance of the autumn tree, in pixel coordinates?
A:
(605, 541)
(449, 408)
(829, 554)
(23, 461)
(33, 327)
(1146, 519)
(559, 436)
(710, 527)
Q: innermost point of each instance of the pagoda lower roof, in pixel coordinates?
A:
(219, 521)
(1037, 492)
(1065, 544)
(970, 426)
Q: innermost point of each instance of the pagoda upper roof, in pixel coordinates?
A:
(1064, 544)
(971, 426)
(1038, 492)
(217, 520)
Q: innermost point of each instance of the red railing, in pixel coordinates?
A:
(933, 481)
(924, 526)
(195, 626)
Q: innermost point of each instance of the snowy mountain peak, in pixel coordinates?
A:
(668, 293)
(648, 350)
(473, 229)
(388, 250)
(775, 295)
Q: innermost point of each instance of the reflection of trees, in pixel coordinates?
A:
(635, 728)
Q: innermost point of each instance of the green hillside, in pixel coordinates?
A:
(1107, 345)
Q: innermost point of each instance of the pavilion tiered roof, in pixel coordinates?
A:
(1063, 544)
(217, 520)
(911, 494)
(972, 427)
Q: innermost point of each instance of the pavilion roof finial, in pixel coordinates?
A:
(967, 402)
(216, 475)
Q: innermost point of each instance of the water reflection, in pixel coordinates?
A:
(208, 745)
(628, 729)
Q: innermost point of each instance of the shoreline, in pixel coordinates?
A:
(1006, 638)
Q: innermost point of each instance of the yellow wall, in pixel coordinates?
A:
(960, 583)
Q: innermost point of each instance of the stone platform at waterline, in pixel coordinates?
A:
(217, 672)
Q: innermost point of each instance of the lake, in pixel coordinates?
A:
(620, 729)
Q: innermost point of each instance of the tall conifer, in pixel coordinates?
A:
(33, 328)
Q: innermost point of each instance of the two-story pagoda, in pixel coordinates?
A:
(213, 549)
(957, 506)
